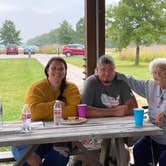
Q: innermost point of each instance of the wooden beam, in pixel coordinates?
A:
(101, 27)
(94, 33)
(90, 36)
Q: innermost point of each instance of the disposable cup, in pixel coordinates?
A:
(81, 110)
(138, 116)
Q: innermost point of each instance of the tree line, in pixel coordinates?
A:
(64, 34)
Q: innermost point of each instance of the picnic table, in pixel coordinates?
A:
(114, 128)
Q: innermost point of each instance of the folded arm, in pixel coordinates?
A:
(121, 110)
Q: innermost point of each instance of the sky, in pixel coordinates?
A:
(35, 17)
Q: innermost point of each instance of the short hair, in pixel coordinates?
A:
(105, 59)
(59, 59)
(160, 62)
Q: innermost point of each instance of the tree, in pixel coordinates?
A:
(80, 31)
(46, 38)
(137, 21)
(9, 34)
(65, 33)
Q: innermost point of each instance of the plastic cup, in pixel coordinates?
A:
(138, 116)
(81, 110)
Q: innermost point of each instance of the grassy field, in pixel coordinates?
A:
(16, 75)
(128, 67)
(75, 60)
(141, 71)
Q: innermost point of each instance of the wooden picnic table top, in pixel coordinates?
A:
(96, 128)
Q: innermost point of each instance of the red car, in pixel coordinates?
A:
(73, 49)
(11, 49)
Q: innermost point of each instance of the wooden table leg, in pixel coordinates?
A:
(104, 150)
(28, 152)
(121, 156)
(91, 159)
(109, 152)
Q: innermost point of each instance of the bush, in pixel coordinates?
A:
(50, 49)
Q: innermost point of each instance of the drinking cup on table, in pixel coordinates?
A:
(81, 110)
(138, 116)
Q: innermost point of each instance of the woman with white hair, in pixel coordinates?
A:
(151, 149)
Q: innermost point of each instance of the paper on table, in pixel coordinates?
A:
(36, 125)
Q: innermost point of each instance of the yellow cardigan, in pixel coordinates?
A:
(41, 99)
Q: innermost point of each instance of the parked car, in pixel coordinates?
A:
(11, 49)
(73, 49)
(29, 49)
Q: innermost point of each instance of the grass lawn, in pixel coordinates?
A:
(128, 67)
(75, 60)
(141, 71)
(16, 75)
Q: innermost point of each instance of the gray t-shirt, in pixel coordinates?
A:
(156, 98)
(98, 95)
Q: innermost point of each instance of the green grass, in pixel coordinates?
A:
(16, 75)
(75, 60)
(141, 71)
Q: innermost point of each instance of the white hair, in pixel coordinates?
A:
(157, 62)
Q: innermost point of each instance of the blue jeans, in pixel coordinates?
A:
(142, 152)
(45, 151)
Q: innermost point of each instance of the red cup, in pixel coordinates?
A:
(81, 110)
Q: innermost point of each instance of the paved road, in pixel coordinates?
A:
(74, 73)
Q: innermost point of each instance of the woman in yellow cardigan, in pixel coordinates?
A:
(41, 97)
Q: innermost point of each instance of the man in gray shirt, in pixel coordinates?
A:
(104, 94)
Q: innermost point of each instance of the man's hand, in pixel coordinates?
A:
(121, 110)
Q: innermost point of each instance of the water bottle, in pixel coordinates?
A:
(1, 113)
(57, 112)
(26, 118)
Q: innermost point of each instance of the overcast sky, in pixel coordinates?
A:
(35, 17)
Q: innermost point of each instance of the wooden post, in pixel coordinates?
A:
(29, 54)
(94, 33)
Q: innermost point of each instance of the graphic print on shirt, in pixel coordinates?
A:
(110, 101)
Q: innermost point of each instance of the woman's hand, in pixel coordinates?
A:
(159, 118)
